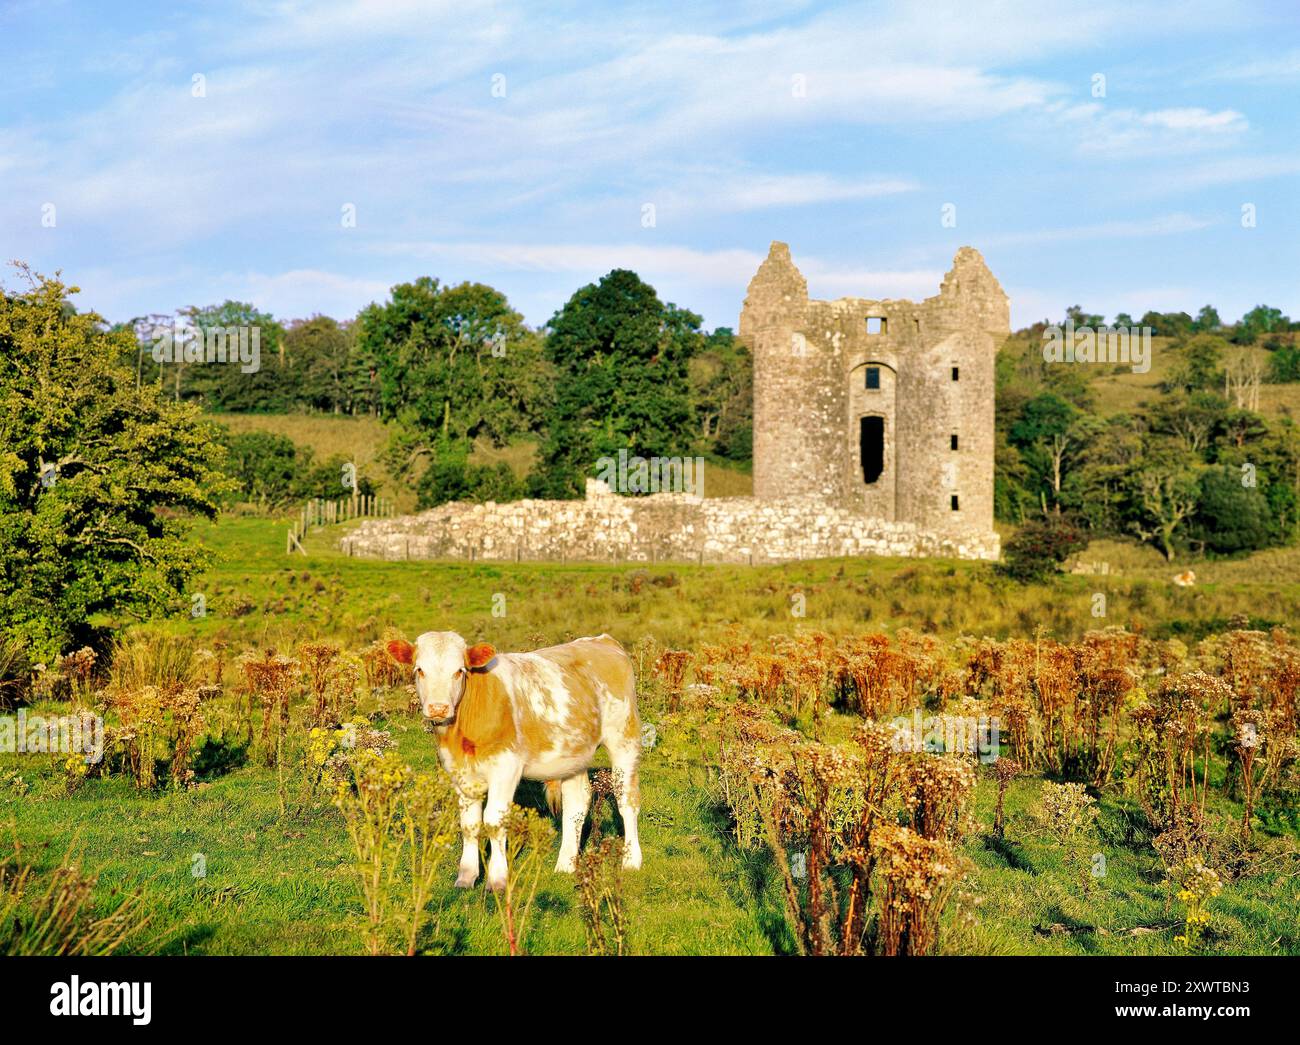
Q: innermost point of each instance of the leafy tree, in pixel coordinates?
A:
(1198, 366)
(271, 470)
(1284, 364)
(450, 477)
(1207, 320)
(1259, 321)
(324, 369)
(265, 388)
(621, 358)
(1042, 433)
(1165, 490)
(1013, 499)
(98, 477)
(1191, 419)
(722, 390)
(454, 364)
(1177, 325)
(1230, 517)
(1097, 491)
(1082, 318)
(264, 466)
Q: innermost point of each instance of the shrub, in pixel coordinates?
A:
(1039, 547)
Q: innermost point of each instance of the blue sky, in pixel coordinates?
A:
(519, 144)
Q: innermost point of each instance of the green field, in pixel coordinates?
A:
(284, 884)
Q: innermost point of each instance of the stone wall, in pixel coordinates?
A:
(659, 528)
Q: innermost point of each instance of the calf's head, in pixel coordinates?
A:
(442, 663)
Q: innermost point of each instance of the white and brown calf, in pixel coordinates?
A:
(540, 715)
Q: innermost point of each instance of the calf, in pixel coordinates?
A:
(540, 715)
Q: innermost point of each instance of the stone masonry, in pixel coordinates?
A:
(658, 528)
(873, 435)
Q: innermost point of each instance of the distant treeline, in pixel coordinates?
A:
(1194, 466)
(448, 366)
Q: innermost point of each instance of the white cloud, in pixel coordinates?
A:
(1163, 225)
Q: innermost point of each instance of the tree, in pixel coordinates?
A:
(454, 364)
(1231, 517)
(1241, 379)
(1207, 320)
(259, 386)
(722, 391)
(1192, 419)
(1039, 547)
(621, 358)
(1097, 491)
(1258, 321)
(1165, 493)
(1198, 364)
(98, 477)
(1043, 436)
(324, 369)
(1080, 318)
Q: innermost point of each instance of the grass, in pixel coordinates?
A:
(283, 885)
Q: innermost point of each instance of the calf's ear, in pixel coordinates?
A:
(478, 655)
(401, 651)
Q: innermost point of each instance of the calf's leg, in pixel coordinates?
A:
(575, 797)
(471, 817)
(502, 783)
(624, 757)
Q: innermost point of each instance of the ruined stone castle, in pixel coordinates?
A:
(883, 407)
(873, 435)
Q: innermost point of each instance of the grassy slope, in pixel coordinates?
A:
(284, 886)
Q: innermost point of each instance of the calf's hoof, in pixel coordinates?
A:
(632, 861)
(465, 881)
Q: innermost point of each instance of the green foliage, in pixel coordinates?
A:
(225, 386)
(621, 358)
(1284, 364)
(1199, 365)
(324, 368)
(1231, 517)
(107, 528)
(1039, 547)
(1259, 321)
(454, 364)
(273, 471)
(722, 391)
(451, 477)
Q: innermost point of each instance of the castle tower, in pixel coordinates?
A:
(886, 406)
(792, 408)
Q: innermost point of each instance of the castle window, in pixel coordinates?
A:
(873, 378)
(954, 373)
(871, 447)
(876, 324)
(954, 502)
(953, 440)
